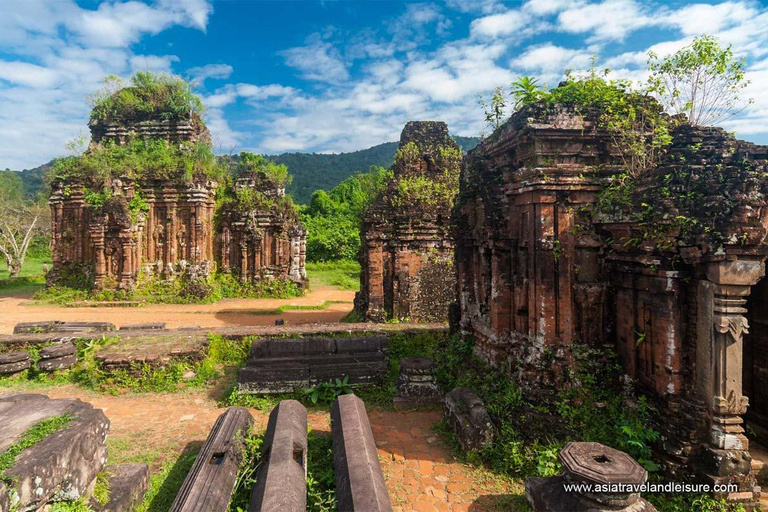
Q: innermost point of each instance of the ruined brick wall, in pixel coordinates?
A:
(531, 276)
(663, 280)
(262, 242)
(407, 253)
(185, 129)
(111, 247)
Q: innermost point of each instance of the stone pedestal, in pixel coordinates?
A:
(590, 464)
(416, 384)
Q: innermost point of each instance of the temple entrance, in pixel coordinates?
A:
(755, 363)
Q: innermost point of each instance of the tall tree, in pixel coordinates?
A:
(21, 221)
(703, 80)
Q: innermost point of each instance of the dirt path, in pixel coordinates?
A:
(225, 312)
(420, 472)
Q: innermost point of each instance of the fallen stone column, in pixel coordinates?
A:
(281, 482)
(360, 485)
(211, 480)
(467, 416)
(590, 464)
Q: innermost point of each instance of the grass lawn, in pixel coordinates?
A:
(343, 274)
(31, 279)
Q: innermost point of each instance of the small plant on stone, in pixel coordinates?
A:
(327, 392)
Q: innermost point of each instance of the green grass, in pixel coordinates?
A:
(30, 280)
(31, 437)
(343, 274)
(165, 484)
(289, 307)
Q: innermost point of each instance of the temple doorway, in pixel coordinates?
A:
(755, 362)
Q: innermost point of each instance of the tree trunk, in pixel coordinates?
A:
(14, 268)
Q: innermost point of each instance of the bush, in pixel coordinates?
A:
(148, 95)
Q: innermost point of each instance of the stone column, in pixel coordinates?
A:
(100, 268)
(721, 326)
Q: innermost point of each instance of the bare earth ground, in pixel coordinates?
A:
(234, 312)
(157, 428)
(420, 472)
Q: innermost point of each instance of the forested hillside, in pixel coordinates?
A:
(311, 171)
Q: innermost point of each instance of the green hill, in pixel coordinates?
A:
(311, 171)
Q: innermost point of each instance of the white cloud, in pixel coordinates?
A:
(549, 58)
(699, 19)
(319, 60)
(496, 25)
(24, 73)
(215, 71)
(608, 20)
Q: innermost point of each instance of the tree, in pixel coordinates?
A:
(702, 80)
(20, 222)
(494, 111)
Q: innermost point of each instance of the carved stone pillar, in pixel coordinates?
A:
(721, 326)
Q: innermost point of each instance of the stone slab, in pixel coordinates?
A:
(281, 482)
(149, 326)
(10, 368)
(59, 363)
(360, 485)
(59, 350)
(211, 480)
(65, 463)
(128, 483)
(58, 326)
(14, 357)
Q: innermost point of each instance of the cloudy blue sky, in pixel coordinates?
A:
(331, 76)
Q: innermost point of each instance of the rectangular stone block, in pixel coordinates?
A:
(281, 365)
(211, 481)
(281, 481)
(150, 326)
(360, 485)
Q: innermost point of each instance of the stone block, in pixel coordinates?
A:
(14, 362)
(467, 416)
(58, 350)
(14, 357)
(150, 326)
(416, 385)
(211, 480)
(128, 483)
(281, 482)
(360, 485)
(284, 365)
(59, 363)
(65, 463)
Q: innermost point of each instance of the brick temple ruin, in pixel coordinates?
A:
(407, 251)
(543, 275)
(179, 233)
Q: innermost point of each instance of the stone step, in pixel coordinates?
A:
(211, 480)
